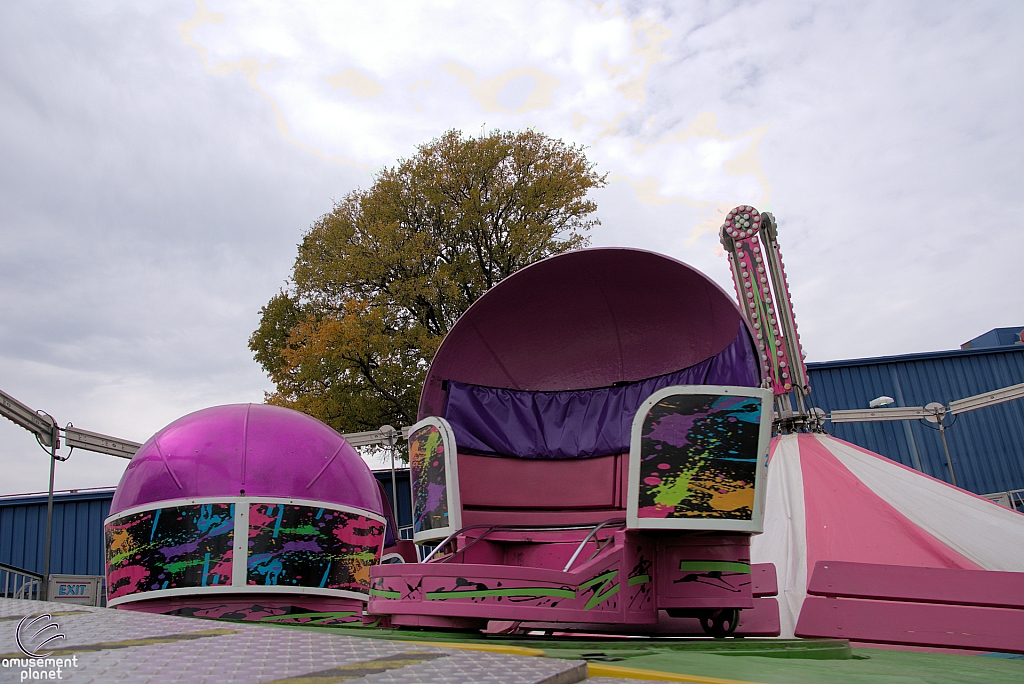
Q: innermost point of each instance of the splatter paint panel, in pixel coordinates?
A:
(304, 546)
(698, 457)
(276, 612)
(430, 463)
(169, 548)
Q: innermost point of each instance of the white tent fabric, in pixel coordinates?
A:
(784, 541)
(830, 500)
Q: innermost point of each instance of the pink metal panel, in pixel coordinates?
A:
(925, 585)
(406, 549)
(761, 620)
(502, 516)
(763, 580)
(522, 549)
(613, 588)
(486, 481)
(913, 624)
(704, 571)
(528, 492)
(573, 321)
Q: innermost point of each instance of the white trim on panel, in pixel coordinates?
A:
(235, 593)
(451, 474)
(238, 500)
(240, 549)
(754, 525)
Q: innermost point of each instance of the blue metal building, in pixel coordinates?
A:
(986, 445)
(77, 544)
(404, 502)
(996, 337)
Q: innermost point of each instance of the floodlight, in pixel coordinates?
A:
(883, 400)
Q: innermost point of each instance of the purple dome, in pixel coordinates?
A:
(247, 450)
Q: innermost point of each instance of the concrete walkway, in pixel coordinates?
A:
(103, 645)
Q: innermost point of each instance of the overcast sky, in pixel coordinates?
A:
(159, 162)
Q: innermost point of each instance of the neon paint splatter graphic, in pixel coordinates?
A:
(426, 461)
(698, 457)
(303, 546)
(170, 548)
(272, 612)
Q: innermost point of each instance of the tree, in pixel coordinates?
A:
(384, 275)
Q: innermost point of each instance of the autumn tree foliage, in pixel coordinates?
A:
(382, 277)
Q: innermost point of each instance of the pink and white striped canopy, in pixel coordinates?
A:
(830, 500)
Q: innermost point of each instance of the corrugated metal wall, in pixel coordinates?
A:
(404, 517)
(77, 544)
(987, 445)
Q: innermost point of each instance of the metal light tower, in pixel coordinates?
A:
(751, 239)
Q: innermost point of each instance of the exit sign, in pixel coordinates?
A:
(84, 590)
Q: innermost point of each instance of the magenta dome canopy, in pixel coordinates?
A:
(585, 319)
(251, 450)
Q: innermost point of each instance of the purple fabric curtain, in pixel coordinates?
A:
(577, 424)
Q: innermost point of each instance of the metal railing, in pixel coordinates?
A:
(503, 528)
(20, 584)
(1013, 499)
(579, 549)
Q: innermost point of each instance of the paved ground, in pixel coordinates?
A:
(104, 645)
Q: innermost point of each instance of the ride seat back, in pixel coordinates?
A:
(541, 492)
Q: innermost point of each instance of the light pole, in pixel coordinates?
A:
(390, 436)
(936, 413)
(54, 443)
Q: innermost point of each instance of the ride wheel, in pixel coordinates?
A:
(720, 623)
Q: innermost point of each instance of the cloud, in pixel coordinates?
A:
(591, 82)
(360, 85)
(499, 94)
(144, 219)
(161, 161)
